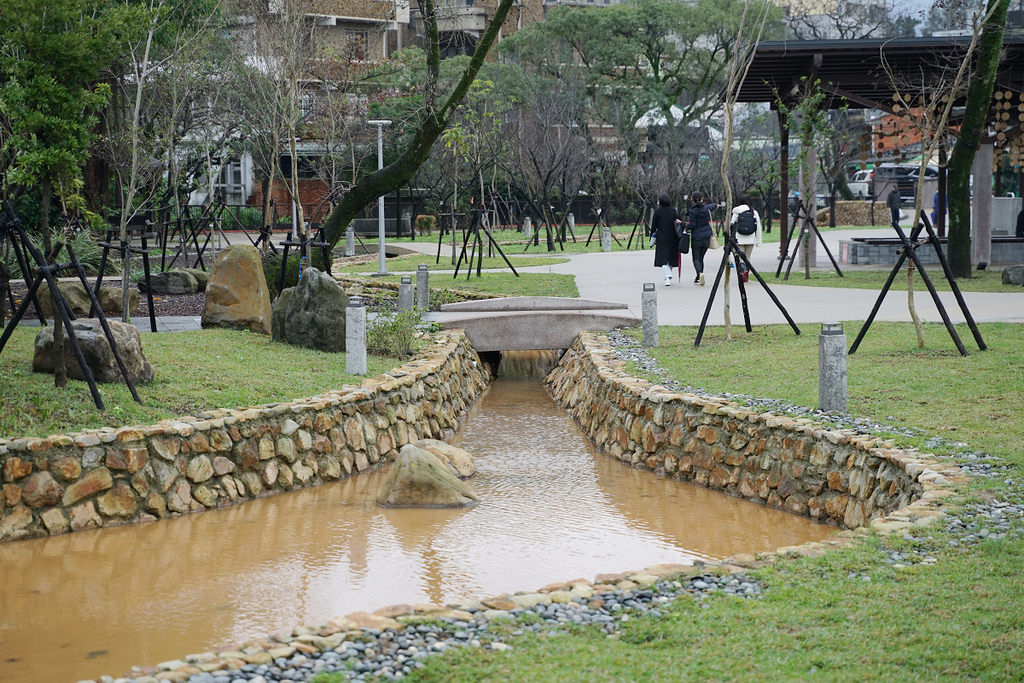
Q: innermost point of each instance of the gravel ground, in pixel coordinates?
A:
(163, 304)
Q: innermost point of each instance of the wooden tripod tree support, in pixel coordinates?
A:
(47, 268)
(125, 247)
(733, 249)
(304, 246)
(805, 220)
(910, 245)
(474, 230)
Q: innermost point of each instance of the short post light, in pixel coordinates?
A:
(649, 315)
(832, 368)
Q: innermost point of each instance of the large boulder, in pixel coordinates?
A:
(1014, 275)
(237, 295)
(459, 462)
(202, 277)
(74, 294)
(96, 350)
(171, 282)
(277, 316)
(111, 298)
(78, 299)
(418, 479)
(315, 316)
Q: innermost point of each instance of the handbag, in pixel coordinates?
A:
(684, 242)
(714, 242)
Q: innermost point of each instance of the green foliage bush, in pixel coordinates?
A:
(272, 269)
(392, 334)
(425, 224)
(85, 244)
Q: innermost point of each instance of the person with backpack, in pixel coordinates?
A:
(746, 229)
(698, 224)
(664, 238)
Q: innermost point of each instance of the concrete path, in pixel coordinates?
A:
(619, 276)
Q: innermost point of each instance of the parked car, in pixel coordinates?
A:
(860, 184)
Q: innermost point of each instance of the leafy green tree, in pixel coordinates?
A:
(51, 55)
(439, 108)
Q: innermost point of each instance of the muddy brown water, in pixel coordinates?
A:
(98, 602)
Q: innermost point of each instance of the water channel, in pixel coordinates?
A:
(552, 508)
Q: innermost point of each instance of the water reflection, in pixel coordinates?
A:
(84, 604)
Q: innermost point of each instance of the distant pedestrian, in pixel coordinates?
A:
(746, 227)
(664, 238)
(893, 202)
(1020, 223)
(698, 223)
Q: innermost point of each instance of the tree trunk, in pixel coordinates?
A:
(60, 372)
(979, 96)
(432, 123)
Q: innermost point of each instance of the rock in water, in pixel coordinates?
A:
(459, 462)
(315, 313)
(96, 350)
(419, 479)
(237, 295)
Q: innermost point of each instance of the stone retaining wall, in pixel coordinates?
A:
(786, 463)
(107, 477)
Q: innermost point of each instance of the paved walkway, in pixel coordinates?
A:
(619, 277)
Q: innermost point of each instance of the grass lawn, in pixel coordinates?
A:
(195, 371)
(980, 280)
(513, 242)
(504, 284)
(848, 615)
(409, 264)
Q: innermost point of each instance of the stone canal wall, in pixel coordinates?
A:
(786, 463)
(106, 477)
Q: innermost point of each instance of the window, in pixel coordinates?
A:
(357, 42)
(229, 183)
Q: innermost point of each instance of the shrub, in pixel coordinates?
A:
(392, 334)
(425, 224)
(272, 269)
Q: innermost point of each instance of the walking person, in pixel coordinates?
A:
(746, 230)
(698, 223)
(664, 238)
(892, 201)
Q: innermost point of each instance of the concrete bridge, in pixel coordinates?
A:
(526, 323)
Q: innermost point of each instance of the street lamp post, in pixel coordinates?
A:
(381, 267)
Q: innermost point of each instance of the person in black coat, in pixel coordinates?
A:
(663, 235)
(698, 223)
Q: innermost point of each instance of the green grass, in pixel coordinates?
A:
(505, 284)
(980, 280)
(847, 615)
(195, 371)
(409, 264)
(513, 242)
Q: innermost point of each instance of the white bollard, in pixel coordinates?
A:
(606, 238)
(423, 287)
(649, 315)
(405, 293)
(355, 337)
(350, 241)
(832, 368)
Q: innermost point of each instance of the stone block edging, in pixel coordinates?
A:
(788, 463)
(114, 476)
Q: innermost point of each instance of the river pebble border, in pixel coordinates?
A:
(109, 477)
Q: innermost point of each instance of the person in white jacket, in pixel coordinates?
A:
(746, 226)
